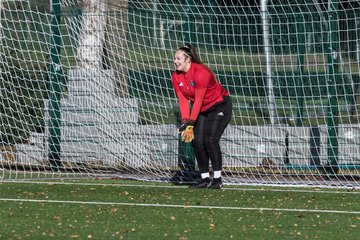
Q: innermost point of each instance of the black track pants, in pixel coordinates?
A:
(208, 129)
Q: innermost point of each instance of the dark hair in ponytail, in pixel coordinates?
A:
(191, 53)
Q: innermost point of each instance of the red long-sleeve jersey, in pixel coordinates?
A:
(199, 86)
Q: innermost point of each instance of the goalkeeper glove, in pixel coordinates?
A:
(187, 135)
(182, 127)
(185, 122)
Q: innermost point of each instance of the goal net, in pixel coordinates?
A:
(86, 89)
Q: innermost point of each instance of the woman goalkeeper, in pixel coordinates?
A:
(206, 120)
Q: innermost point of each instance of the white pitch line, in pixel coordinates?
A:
(182, 206)
(233, 188)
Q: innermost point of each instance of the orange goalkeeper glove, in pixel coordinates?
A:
(187, 135)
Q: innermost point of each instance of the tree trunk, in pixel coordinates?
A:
(116, 47)
(90, 50)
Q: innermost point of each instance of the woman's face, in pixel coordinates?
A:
(182, 62)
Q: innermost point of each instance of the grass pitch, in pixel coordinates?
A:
(119, 209)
